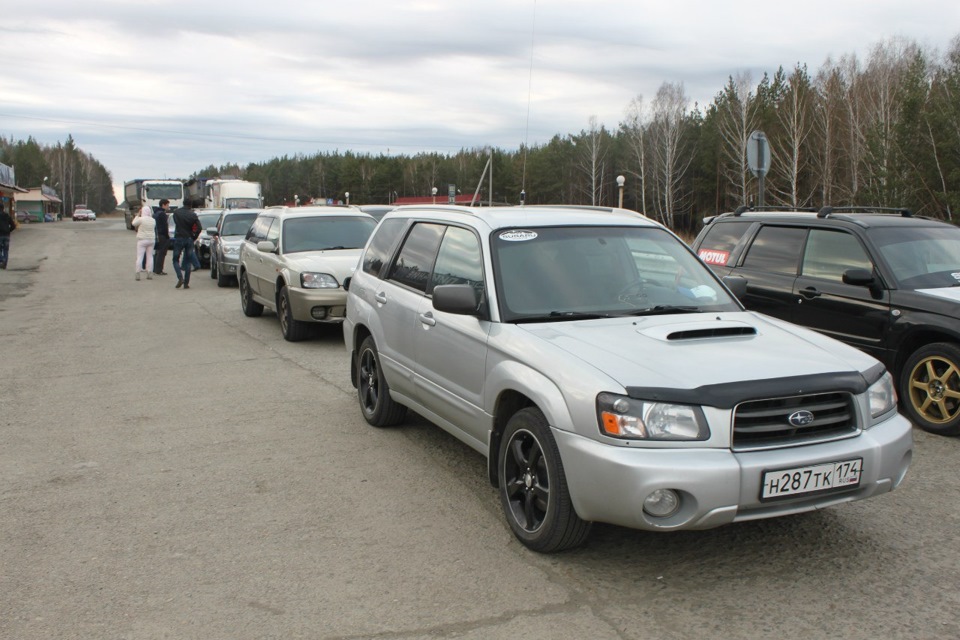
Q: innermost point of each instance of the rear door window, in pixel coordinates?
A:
(776, 250)
(830, 253)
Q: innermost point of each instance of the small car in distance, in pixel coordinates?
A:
(226, 238)
(82, 215)
(294, 261)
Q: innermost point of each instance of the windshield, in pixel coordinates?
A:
(556, 273)
(921, 257)
(208, 219)
(320, 233)
(160, 191)
(237, 224)
(242, 203)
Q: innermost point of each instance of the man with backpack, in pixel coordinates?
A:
(186, 229)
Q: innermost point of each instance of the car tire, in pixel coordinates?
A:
(213, 269)
(222, 280)
(376, 405)
(930, 388)
(293, 330)
(533, 488)
(250, 308)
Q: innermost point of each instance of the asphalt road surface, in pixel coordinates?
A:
(170, 468)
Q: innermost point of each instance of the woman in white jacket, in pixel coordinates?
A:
(146, 228)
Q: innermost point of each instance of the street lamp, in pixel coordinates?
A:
(620, 182)
(434, 193)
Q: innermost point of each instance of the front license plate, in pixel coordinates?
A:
(819, 477)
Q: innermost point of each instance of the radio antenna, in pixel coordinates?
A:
(526, 133)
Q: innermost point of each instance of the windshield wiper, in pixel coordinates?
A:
(555, 316)
(663, 309)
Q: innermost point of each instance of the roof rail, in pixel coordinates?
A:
(744, 208)
(827, 211)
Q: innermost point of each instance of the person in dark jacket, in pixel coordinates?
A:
(186, 229)
(7, 224)
(163, 237)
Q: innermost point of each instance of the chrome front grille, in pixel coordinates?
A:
(816, 417)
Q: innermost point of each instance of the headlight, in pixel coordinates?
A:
(882, 396)
(205, 242)
(318, 281)
(623, 417)
(230, 250)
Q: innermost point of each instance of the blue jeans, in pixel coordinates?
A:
(182, 266)
(4, 250)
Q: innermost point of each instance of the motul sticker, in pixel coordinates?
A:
(714, 256)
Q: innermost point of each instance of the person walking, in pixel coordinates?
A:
(146, 228)
(7, 225)
(163, 237)
(186, 229)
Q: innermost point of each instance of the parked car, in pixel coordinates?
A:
(886, 282)
(208, 218)
(608, 375)
(82, 215)
(294, 261)
(226, 238)
(91, 215)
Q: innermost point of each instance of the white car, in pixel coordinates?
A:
(294, 260)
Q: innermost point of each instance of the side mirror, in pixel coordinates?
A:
(858, 277)
(212, 231)
(460, 299)
(737, 285)
(266, 246)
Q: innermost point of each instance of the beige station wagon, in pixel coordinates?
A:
(294, 260)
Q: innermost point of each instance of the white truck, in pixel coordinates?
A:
(150, 191)
(223, 193)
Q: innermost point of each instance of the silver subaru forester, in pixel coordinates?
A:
(608, 375)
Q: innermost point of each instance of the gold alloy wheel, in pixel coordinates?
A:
(935, 389)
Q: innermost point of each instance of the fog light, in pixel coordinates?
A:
(318, 313)
(662, 503)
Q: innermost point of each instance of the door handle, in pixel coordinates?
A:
(810, 292)
(428, 319)
(380, 297)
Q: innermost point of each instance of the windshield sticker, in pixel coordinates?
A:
(518, 235)
(714, 256)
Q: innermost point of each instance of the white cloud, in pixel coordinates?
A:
(166, 88)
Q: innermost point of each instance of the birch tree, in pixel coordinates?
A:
(735, 124)
(669, 162)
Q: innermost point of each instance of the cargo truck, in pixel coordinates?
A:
(149, 191)
(223, 193)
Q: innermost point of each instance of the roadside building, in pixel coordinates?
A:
(40, 204)
(9, 189)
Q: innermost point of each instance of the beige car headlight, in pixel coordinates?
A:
(318, 281)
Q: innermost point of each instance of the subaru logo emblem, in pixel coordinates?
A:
(800, 418)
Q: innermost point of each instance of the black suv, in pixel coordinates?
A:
(882, 280)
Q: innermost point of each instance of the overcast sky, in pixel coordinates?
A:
(163, 88)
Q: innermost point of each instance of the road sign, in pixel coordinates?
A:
(758, 153)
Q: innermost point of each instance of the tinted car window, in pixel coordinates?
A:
(323, 233)
(382, 245)
(258, 230)
(415, 262)
(459, 260)
(921, 256)
(776, 249)
(830, 253)
(720, 241)
(273, 233)
(237, 224)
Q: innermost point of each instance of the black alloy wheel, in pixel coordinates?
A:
(251, 309)
(293, 330)
(533, 489)
(377, 406)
